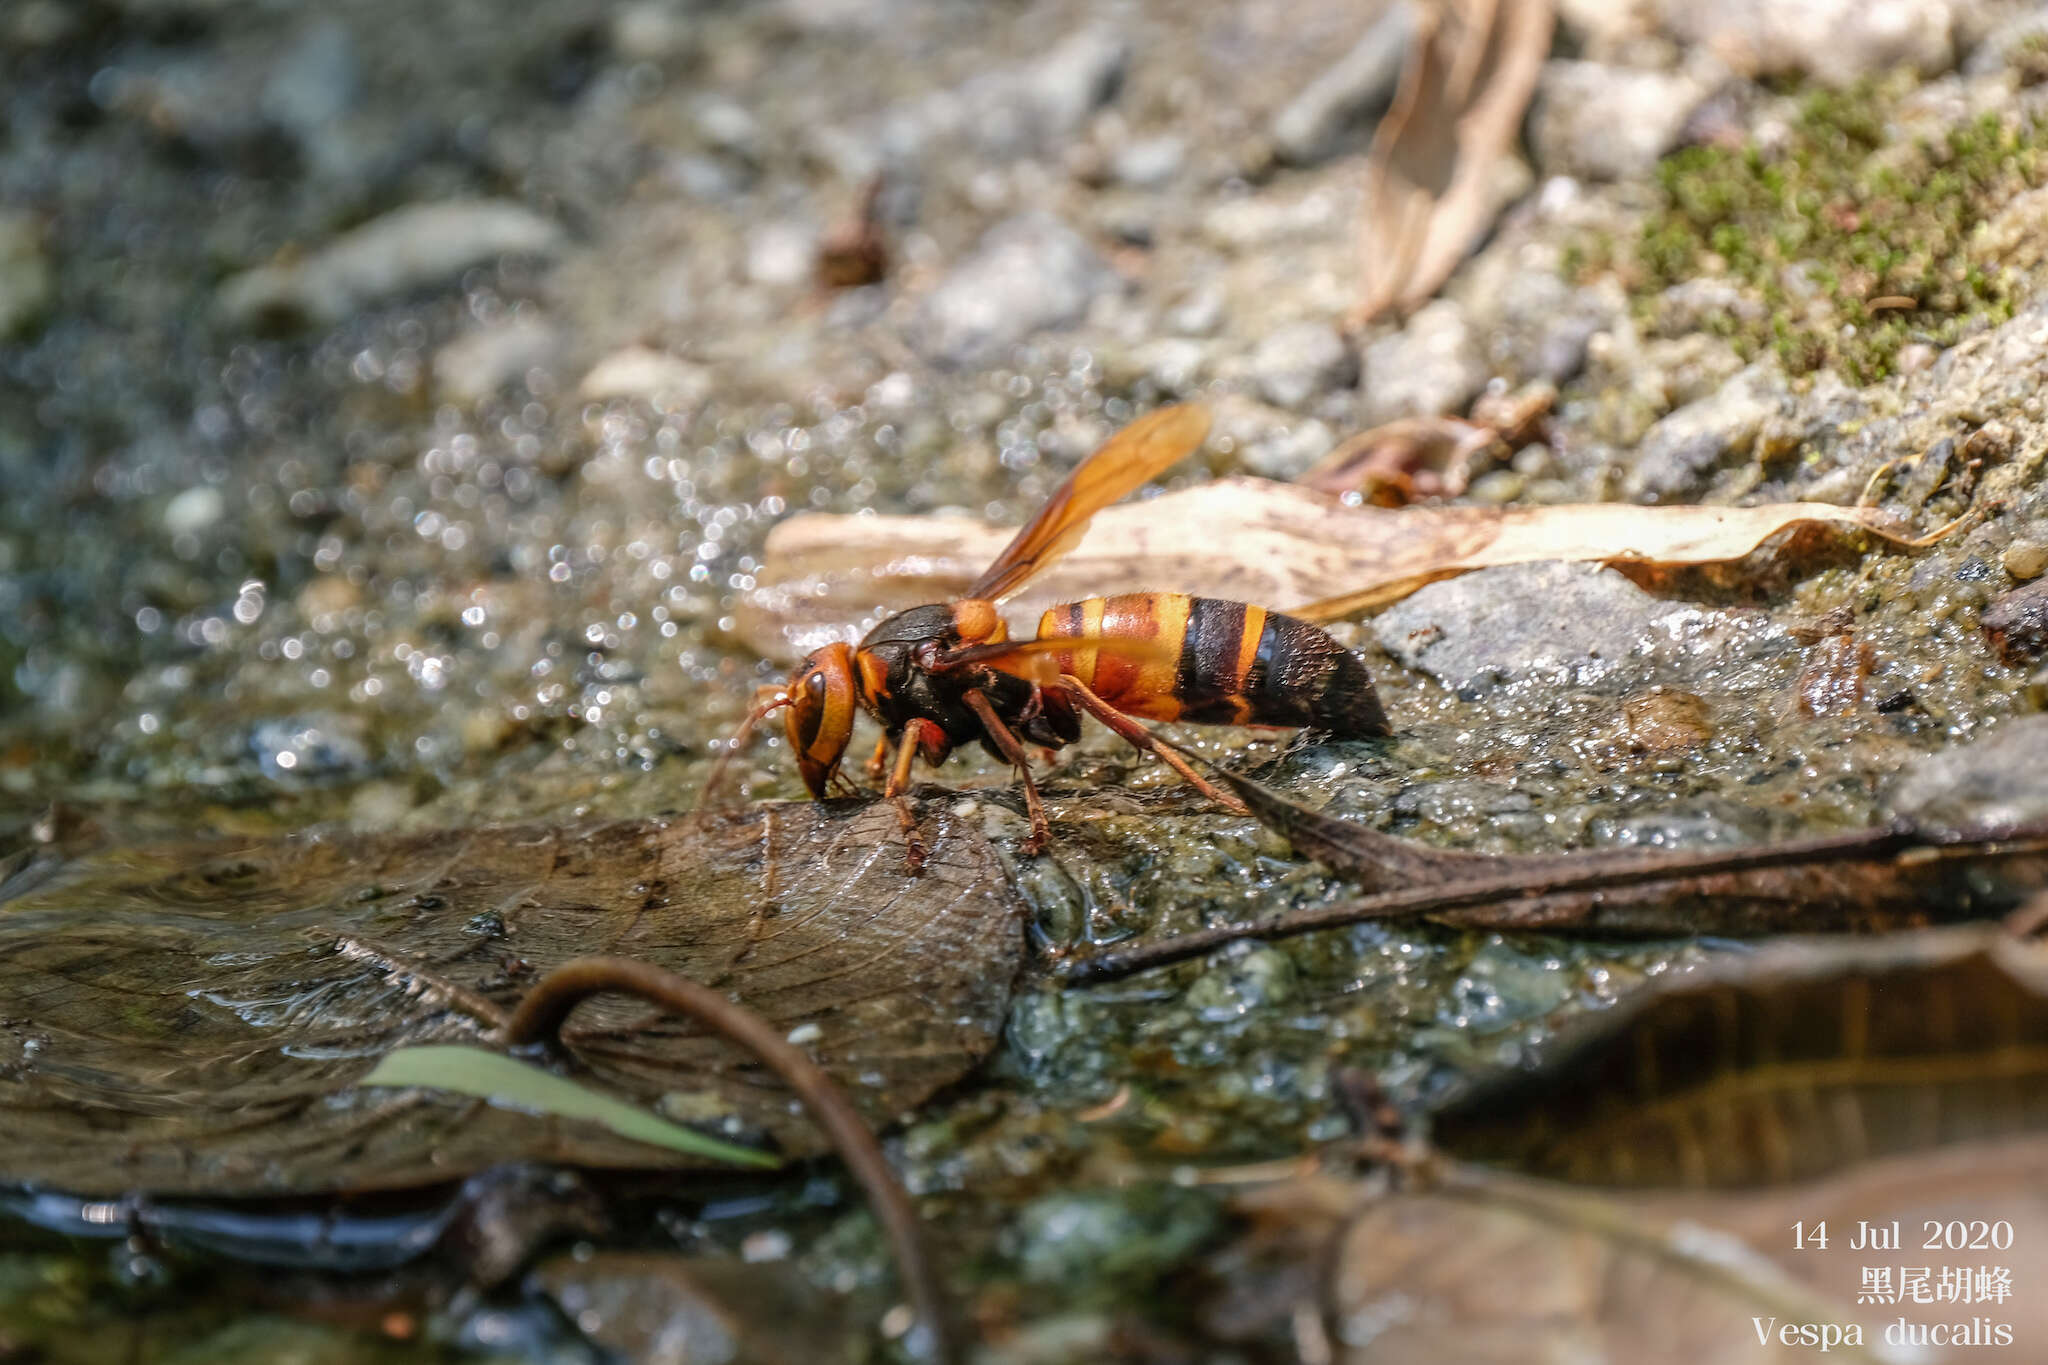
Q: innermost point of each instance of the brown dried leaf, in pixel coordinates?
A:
(1792, 1064)
(193, 1018)
(1492, 1270)
(1895, 1084)
(1430, 186)
(829, 577)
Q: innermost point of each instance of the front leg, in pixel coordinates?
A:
(919, 733)
(1041, 828)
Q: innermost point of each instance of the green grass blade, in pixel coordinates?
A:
(506, 1080)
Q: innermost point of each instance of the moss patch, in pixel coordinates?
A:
(1855, 242)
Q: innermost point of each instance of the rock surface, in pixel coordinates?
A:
(1556, 624)
(406, 249)
(1999, 778)
(1609, 123)
(1679, 455)
(1837, 41)
(1301, 362)
(1331, 111)
(1030, 274)
(1432, 365)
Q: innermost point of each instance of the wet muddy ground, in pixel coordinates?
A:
(394, 404)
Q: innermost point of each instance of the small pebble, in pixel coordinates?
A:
(1664, 720)
(2026, 559)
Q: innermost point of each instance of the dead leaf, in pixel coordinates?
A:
(1404, 461)
(1488, 1269)
(1873, 1095)
(1430, 182)
(195, 1018)
(830, 577)
(1787, 1065)
(1413, 458)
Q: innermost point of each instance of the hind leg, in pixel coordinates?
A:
(1137, 735)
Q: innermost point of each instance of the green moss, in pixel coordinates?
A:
(1854, 242)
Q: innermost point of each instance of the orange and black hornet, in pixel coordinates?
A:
(939, 676)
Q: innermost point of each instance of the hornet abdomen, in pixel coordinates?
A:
(1218, 663)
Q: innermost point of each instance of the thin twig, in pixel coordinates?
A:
(1518, 884)
(541, 1015)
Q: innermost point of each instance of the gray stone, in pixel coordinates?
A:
(407, 249)
(645, 373)
(319, 81)
(1537, 326)
(650, 31)
(1577, 625)
(1301, 362)
(1286, 452)
(1198, 314)
(1069, 83)
(781, 253)
(1680, 453)
(2004, 42)
(1029, 274)
(1270, 221)
(194, 511)
(478, 363)
(1998, 778)
(1608, 122)
(727, 127)
(1149, 162)
(1003, 115)
(1175, 364)
(1697, 304)
(1333, 110)
(26, 282)
(1836, 41)
(1431, 366)
(1551, 623)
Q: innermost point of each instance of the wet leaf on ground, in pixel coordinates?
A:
(198, 1017)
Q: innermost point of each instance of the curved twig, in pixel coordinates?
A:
(541, 1015)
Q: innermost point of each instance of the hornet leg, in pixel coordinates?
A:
(1138, 735)
(1041, 829)
(899, 778)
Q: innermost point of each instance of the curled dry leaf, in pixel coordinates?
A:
(197, 1018)
(829, 577)
(1430, 182)
(1413, 458)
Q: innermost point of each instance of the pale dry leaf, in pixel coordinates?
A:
(830, 577)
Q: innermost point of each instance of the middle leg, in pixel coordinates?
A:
(1013, 749)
